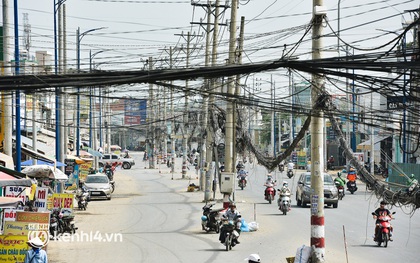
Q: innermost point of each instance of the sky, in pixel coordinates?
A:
(134, 30)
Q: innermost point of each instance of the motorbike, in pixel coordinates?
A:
(340, 190)
(211, 220)
(284, 201)
(55, 229)
(290, 173)
(112, 183)
(82, 197)
(110, 173)
(242, 181)
(383, 235)
(231, 235)
(269, 193)
(351, 186)
(66, 221)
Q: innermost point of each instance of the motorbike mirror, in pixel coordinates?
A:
(393, 213)
(373, 213)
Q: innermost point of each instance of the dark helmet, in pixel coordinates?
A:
(384, 202)
(232, 205)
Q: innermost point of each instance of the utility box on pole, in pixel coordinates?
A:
(227, 182)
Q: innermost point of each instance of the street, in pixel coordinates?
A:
(152, 218)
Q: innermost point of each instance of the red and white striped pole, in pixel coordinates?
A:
(317, 141)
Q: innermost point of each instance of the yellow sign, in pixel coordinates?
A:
(16, 228)
(33, 217)
(62, 201)
(13, 248)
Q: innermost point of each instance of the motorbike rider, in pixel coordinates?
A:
(382, 211)
(239, 166)
(242, 173)
(232, 214)
(339, 181)
(269, 183)
(412, 183)
(351, 176)
(290, 165)
(281, 166)
(330, 162)
(283, 190)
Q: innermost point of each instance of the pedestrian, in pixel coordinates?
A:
(253, 258)
(36, 254)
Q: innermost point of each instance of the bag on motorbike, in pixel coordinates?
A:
(303, 254)
(244, 226)
(253, 226)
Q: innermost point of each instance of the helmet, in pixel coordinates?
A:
(232, 205)
(412, 176)
(269, 175)
(253, 258)
(285, 183)
(351, 169)
(384, 203)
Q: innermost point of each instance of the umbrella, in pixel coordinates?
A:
(44, 171)
(76, 159)
(85, 154)
(31, 162)
(93, 152)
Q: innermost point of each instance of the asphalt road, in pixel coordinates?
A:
(152, 218)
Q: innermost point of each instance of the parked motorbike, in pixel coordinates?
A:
(351, 186)
(242, 182)
(82, 197)
(55, 228)
(383, 235)
(290, 173)
(284, 201)
(211, 219)
(340, 190)
(66, 221)
(269, 193)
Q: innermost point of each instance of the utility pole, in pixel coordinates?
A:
(229, 165)
(6, 98)
(151, 136)
(318, 136)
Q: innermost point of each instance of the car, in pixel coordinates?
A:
(126, 163)
(98, 185)
(303, 191)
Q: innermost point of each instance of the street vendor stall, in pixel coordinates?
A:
(47, 175)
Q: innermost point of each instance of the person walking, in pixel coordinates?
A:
(36, 254)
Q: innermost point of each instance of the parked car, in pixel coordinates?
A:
(126, 163)
(303, 191)
(98, 185)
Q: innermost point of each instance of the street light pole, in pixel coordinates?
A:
(57, 5)
(79, 37)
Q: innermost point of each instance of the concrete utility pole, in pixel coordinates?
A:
(6, 96)
(229, 164)
(318, 136)
(151, 114)
(173, 116)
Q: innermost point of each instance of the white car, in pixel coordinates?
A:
(126, 163)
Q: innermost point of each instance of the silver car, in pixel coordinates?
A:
(98, 185)
(303, 192)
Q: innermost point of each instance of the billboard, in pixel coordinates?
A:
(135, 112)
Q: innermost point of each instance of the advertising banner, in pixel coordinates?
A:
(13, 248)
(41, 195)
(62, 200)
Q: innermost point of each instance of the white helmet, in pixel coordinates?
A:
(253, 258)
(285, 183)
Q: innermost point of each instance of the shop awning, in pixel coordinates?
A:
(37, 155)
(11, 172)
(15, 182)
(365, 146)
(9, 202)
